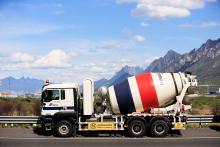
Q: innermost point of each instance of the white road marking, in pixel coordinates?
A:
(106, 138)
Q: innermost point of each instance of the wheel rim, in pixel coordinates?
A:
(63, 129)
(136, 129)
(159, 129)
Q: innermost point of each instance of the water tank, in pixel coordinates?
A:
(148, 90)
(88, 98)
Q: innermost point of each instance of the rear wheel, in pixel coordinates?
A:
(64, 128)
(136, 128)
(159, 128)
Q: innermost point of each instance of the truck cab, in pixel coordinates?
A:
(59, 98)
(59, 103)
(61, 108)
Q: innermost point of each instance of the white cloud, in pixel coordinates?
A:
(144, 24)
(110, 45)
(163, 9)
(159, 11)
(95, 70)
(56, 58)
(15, 66)
(97, 59)
(205, 24)
(139, 38)
(187, 25)
(210, 24)
(148, 60)
(21, 57)
(53, 8)
(14, 29)
(1, 77)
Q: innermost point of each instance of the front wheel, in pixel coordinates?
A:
(64, 128)
(159, 128)
(136, 128)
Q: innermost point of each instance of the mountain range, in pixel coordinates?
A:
(125, 72)
(21, 86)
(203, 62)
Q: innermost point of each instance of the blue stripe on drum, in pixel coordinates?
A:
(113, 100)
(135, 94)
(124, 97)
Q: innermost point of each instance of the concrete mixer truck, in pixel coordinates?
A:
(148, 103)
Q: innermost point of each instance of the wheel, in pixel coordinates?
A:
(159, 128)
(64, 128)
(136, 128)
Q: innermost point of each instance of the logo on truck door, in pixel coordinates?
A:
(101, 126)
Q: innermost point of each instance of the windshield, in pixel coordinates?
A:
(49, 95)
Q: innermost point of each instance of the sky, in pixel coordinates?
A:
(69, 40)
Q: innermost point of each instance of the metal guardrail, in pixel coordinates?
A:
(18, 119)
(203, 119)
(34, 119)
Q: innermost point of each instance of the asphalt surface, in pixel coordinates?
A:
(202, 137)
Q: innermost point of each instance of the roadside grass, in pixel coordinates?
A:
(27, 126)
(206, 105)
(202, 125)
(19, 106)
(198, 90)
(205, 100)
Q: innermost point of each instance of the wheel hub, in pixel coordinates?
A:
(159, 129)
(63, 129)
(136, 129)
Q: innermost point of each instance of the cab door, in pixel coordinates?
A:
(67, 99)
(51, 101)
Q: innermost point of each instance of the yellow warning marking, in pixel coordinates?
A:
(101, 126)
(179, 126)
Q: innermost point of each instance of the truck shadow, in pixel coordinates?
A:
(216, 119)
(42, 132)
(216, 128)
(173, 133)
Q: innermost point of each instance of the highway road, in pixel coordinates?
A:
(202, 137)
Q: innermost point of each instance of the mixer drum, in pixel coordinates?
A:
(142, 92)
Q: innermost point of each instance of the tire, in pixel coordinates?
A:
(64, 128)
(159, 128)
(136, 128)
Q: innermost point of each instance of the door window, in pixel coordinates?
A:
(49, 95)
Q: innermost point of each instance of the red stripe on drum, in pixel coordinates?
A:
(147, 91)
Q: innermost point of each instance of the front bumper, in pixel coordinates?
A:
(45, 122)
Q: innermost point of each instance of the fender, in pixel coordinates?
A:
(129, 119)
(159, 118)
(71, 116)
